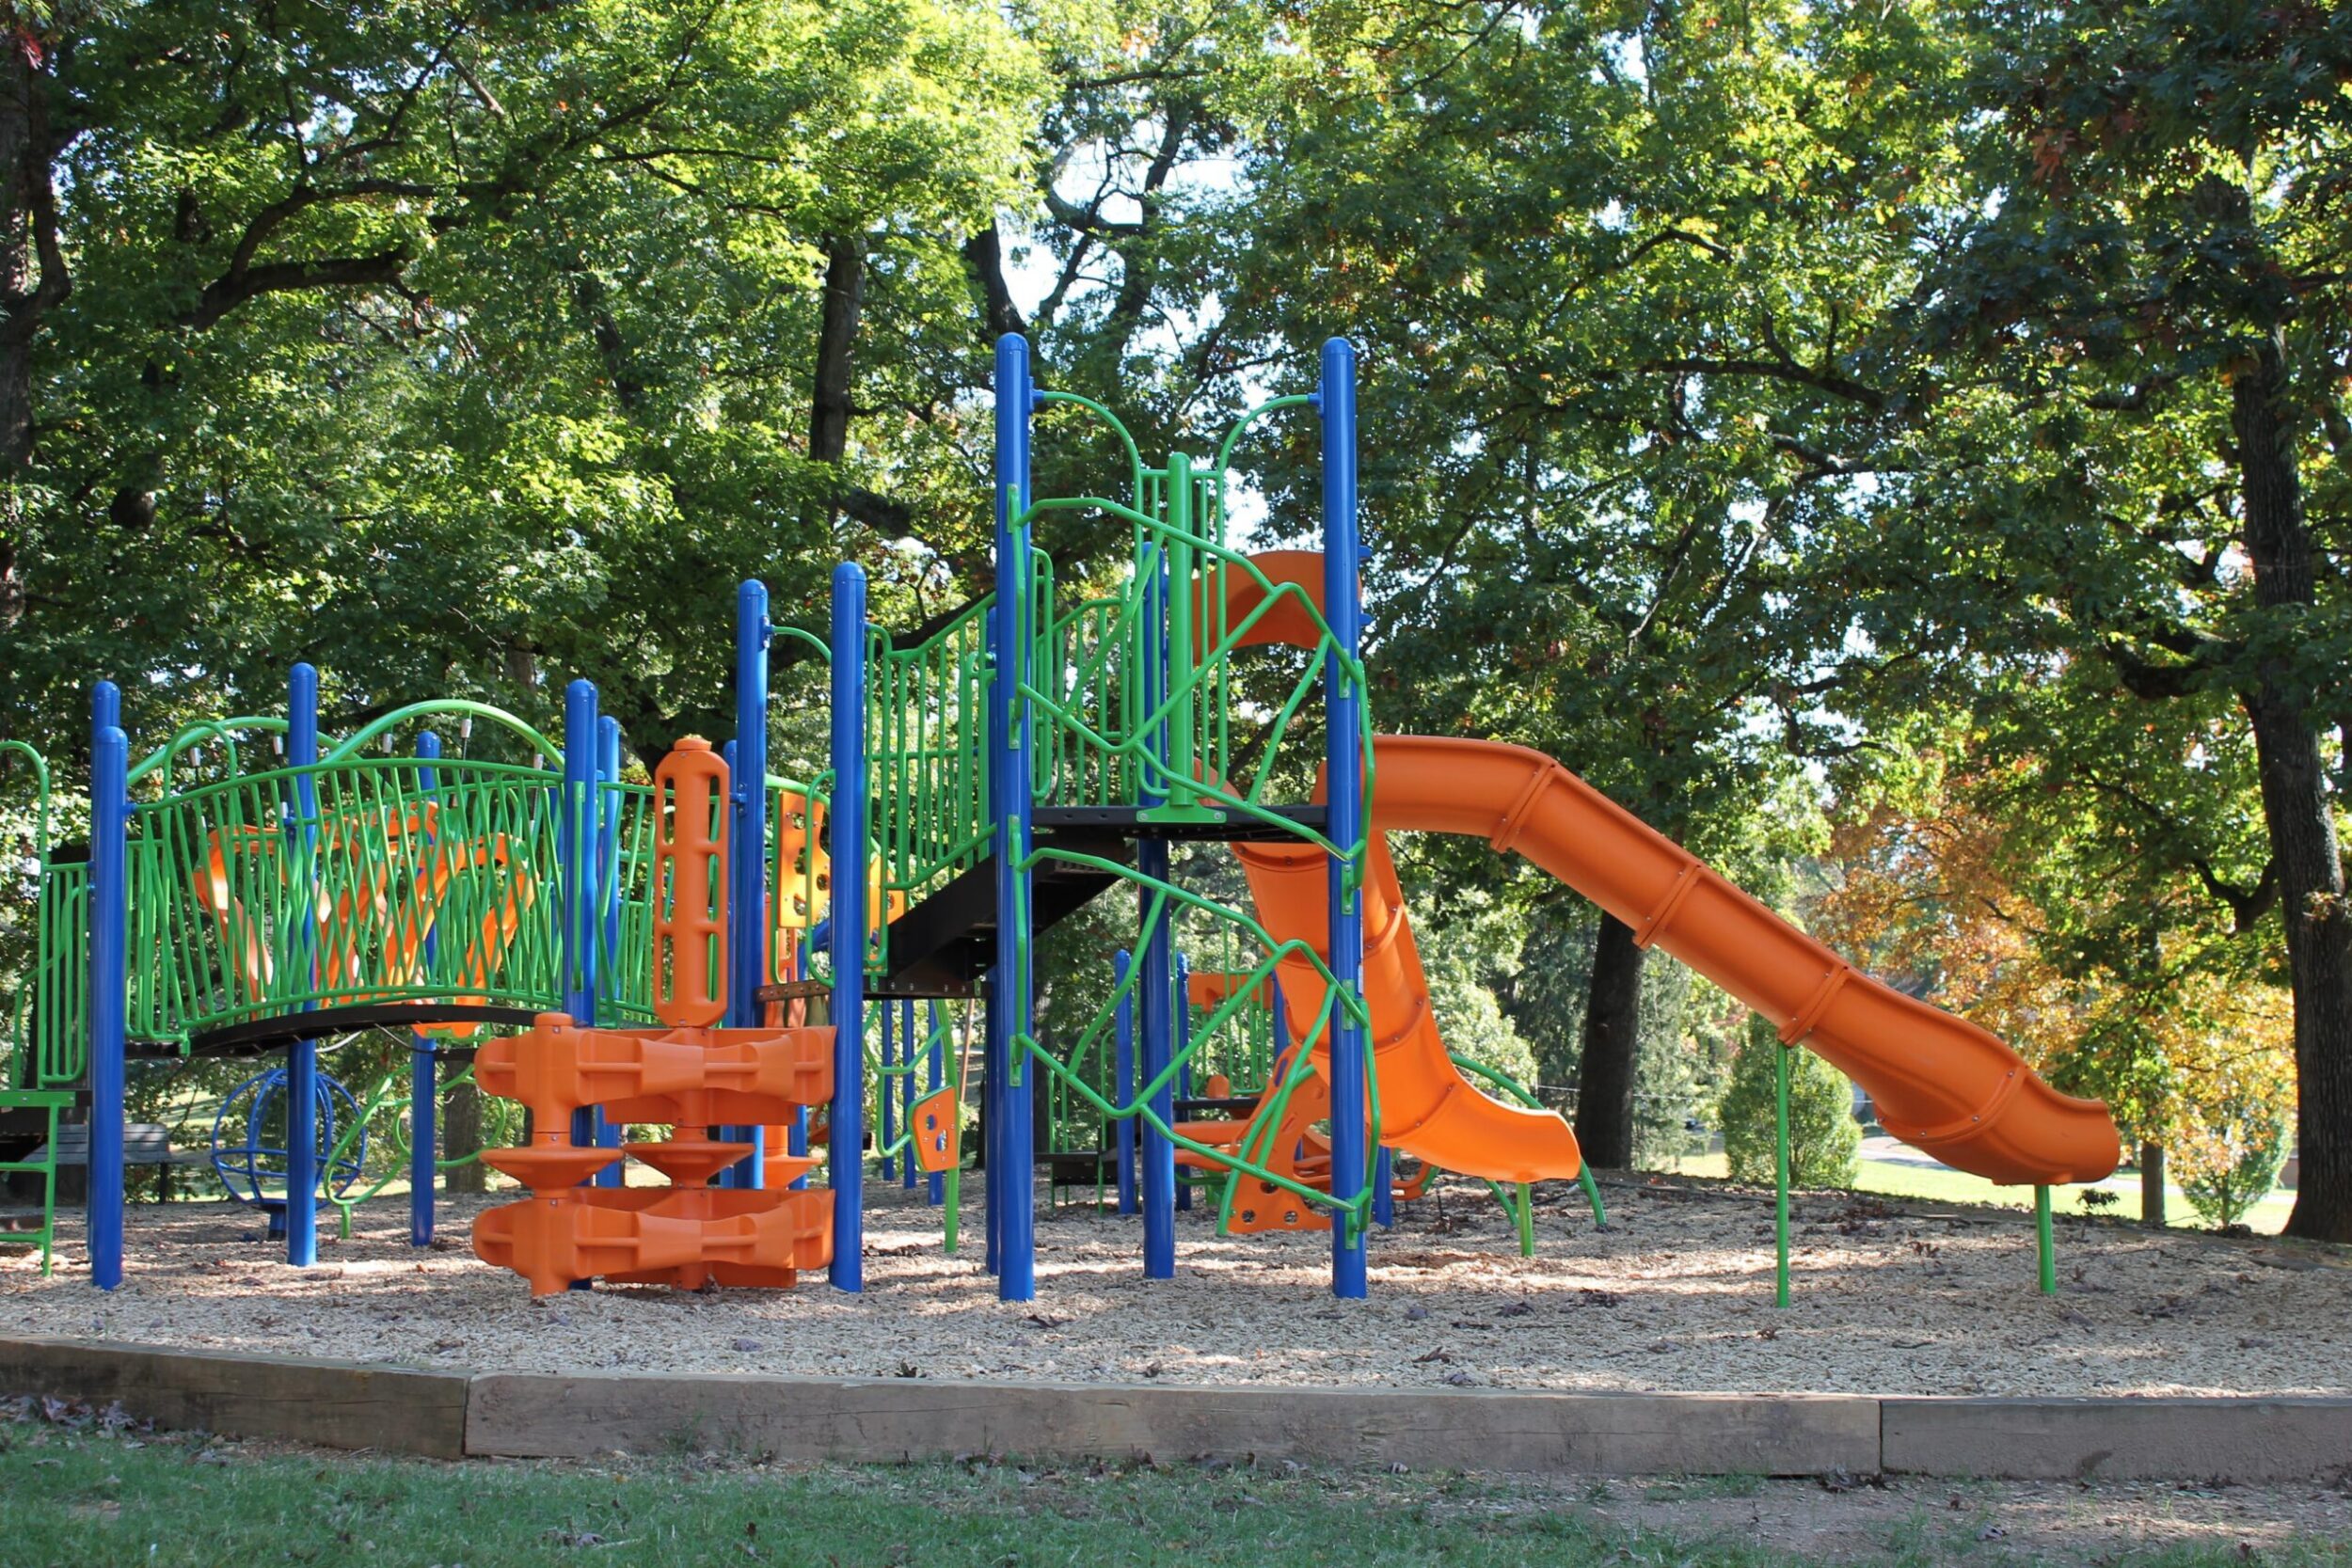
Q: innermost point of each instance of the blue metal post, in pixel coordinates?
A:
(1181, 999)
(847, 1165)
(1011, 1175)
(887, 1090)
(1124, 1083)
(1158, 1176)
(607, 817)
(1383, 1187)
(1159, 1154)
(576, 859)
(1343, 767)
(906, 1088)
(109, 976)
(747, 868)
(424, 1091)
(302, 1057)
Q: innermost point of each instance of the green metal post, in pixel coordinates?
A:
(1592, 1195)
(1780, 1175)
(2045, 1241)
(1183, 602)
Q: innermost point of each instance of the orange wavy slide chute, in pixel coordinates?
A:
(1938, 1083)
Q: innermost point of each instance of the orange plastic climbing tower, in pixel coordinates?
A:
(689, 1073)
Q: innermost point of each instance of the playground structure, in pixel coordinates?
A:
(684, 954)
(251, 1167)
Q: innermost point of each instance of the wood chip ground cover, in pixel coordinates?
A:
(1675, 1294)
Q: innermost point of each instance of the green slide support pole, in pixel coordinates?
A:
(1592, 1194)
(1780, 1176)
(2045, 1241)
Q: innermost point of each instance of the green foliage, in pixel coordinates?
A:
(1824, 1140)
(2232, 1161)
(1473, 1024)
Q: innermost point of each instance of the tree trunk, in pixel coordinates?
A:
(2296, 804)
(836, 334)
(33, 280)
(2151, 1184)
(1612, 1029)
(461, 1135)
(984, 256)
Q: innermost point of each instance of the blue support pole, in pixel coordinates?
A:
(1158, 1175)
(424, 1091)
(302, 1057)
(846, 1166)
(1383, 1187)
(1159, 1154)
(1182, 1001)
(907, 1095)
(887, 1092)
(747, 859)
(1012, 1176)
(607, 817)
(1344, 769)
(576, 857)
(1123, 1084)
(109, 977)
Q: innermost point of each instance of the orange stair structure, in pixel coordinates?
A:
(687, 1072)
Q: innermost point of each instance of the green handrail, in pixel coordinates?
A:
(228, 925)
(20, 1015)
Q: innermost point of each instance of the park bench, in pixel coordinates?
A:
(145, 1145)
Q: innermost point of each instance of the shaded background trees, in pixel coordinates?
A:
(1900, 450)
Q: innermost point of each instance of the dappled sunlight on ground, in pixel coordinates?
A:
(1675, 1294)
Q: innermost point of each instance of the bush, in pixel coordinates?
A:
(1824, 1141)
(2231, 1164)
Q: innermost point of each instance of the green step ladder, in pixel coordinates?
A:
(51, 1101)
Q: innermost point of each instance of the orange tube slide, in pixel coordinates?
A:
(1426, 1108)
(1938, 1083)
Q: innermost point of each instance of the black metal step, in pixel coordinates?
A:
(1226, 826)
(945, 945)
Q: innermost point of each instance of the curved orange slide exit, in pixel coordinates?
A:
(1940, 1082)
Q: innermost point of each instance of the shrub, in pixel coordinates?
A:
(1824, 1141)
(2231, 1164)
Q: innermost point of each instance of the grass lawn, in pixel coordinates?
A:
(1939, 1184)
(89, 1495)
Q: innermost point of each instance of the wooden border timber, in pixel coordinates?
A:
(455, 1414)
(891, 1419)
(335, 1404)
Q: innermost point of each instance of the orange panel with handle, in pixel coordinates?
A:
(938, 1122)
(690, 909)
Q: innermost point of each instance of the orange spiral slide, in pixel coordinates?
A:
(1938, 1083)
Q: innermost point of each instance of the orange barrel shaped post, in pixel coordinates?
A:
(689, 914)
